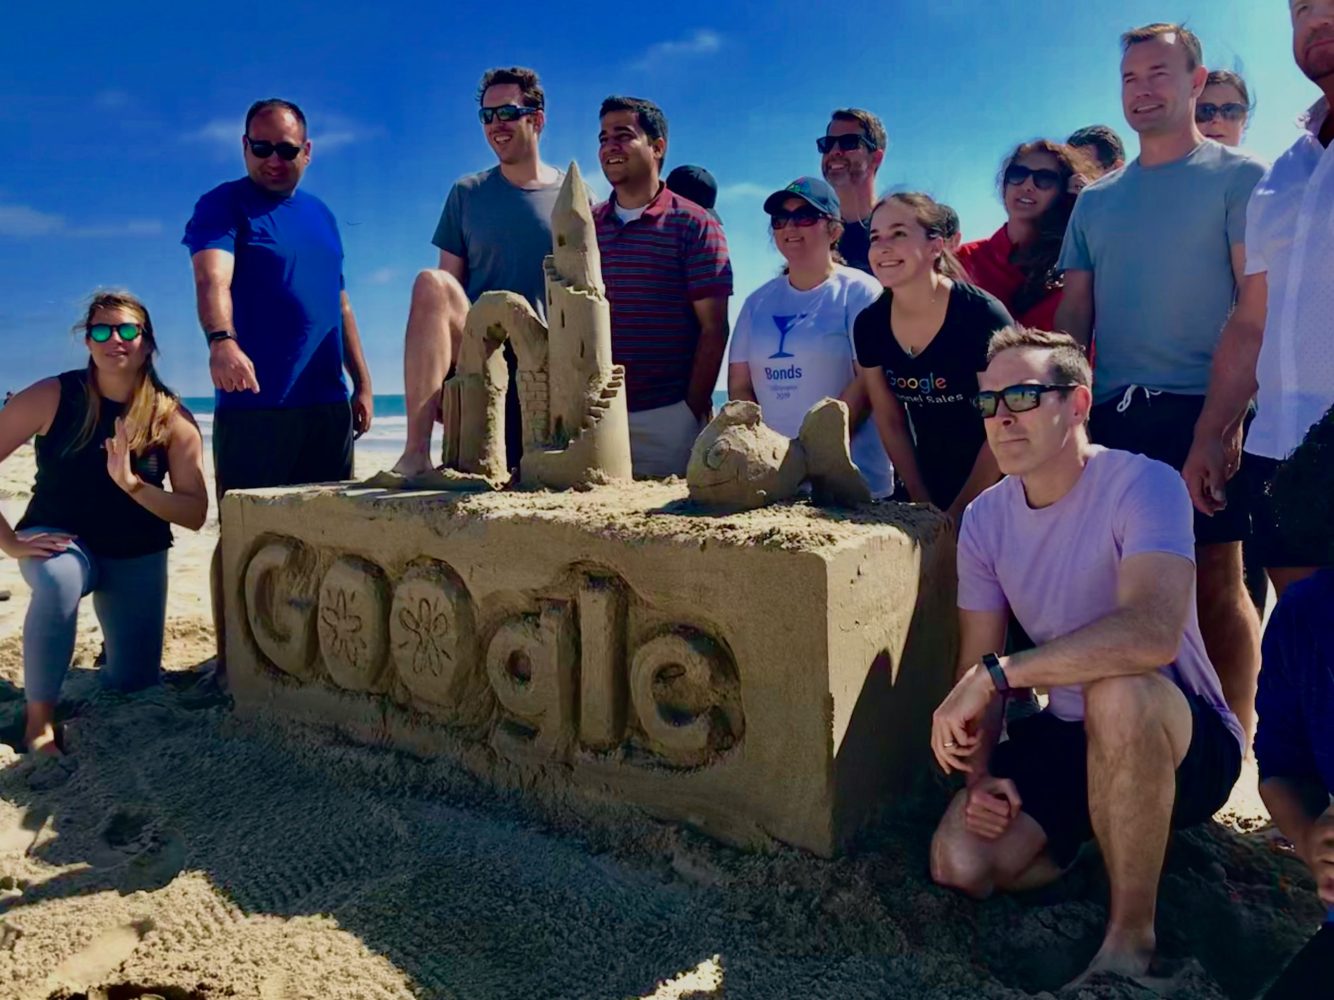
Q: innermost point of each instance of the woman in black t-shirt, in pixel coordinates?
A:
(921, 345)
(99, 520)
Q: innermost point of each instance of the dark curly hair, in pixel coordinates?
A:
(1303, 494)
(1038, 259)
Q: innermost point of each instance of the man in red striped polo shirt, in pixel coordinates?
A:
(668, 278)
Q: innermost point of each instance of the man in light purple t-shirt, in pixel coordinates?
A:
(1093, 552)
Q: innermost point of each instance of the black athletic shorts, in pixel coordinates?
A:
(253, 449)
(1161, 425)
(1268, 541)
(1047, 759)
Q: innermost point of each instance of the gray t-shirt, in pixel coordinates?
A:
(502, 231)
(1158, 241)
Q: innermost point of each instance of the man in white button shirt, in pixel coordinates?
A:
(1278, 339)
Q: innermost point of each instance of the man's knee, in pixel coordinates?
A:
(956, 862)
(440, 290)
(1121, 711)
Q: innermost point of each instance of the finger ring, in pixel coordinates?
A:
(949, 744)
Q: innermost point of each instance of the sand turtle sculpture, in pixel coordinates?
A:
(740, 463)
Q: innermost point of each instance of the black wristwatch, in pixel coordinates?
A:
(214, 336)
(993, 664)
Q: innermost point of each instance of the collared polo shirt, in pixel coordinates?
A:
(655, 268)
(1290, 236)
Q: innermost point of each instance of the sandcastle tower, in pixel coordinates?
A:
(576, 429)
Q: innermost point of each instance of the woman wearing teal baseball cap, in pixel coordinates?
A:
(792, 343)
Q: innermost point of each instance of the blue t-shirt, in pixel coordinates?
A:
(1295, 703)
(286, 291)
(1159, 243)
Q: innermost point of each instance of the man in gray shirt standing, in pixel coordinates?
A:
(1153, 256)
(493, 234)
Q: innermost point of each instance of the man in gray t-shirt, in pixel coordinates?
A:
(1153, 256)
(493, 234)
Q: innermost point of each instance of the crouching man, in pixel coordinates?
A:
(1093, 550)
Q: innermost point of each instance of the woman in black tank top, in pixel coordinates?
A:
(107, 437)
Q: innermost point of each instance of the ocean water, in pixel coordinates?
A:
(389, 424)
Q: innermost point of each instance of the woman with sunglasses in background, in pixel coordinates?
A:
(792, 344)
(921, 346)
(99, 519)
(1224, 108)
(1038, 185)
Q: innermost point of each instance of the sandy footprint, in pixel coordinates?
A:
(98, 959)
(152, 854)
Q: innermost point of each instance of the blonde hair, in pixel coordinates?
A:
(153, 406)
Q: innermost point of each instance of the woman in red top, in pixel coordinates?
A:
(1038, 185)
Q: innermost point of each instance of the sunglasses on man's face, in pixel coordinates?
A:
(1230, 112)
(847, 143)
(262, 149)
(1043, 179)
(1018, 398)
(506, 113)
(100, 333)
(802, 218)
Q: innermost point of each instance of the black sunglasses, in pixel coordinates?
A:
(262, 149)
(1018, 398)
(100, 333)
(1231, 112)
(803, 218)
(506, 113)
(1043, 179)
(847, 142)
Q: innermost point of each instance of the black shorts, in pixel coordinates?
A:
(1268, 541)
(253, 449)
(1047, 759)
(1162, 426)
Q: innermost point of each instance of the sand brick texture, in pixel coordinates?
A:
(762, 675)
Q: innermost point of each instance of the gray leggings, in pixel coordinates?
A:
(130, 598)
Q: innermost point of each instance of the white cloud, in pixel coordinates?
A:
(744, 190)
(702, 42)
(25, 222)
(382, 276)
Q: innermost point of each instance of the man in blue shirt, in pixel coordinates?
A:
(1294, 741)
(268, 266)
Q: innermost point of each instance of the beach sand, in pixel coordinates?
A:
(181, 852)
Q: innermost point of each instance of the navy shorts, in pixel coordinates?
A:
(254, 449)
(1161, 426)
(1047, 759)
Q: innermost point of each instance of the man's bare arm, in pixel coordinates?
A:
(709, 351)
(1075, 313)
(739, 384)
(1154, 592)
(229, 366)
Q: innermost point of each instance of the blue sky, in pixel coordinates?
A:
(119, 115)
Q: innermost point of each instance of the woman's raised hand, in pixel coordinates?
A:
(118, 459)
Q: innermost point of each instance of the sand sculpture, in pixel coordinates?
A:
(576, 429)
(739, 463)
(769, 674)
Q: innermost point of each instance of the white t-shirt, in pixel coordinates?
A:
(628, 214)
(1290, 237)
(799, 349)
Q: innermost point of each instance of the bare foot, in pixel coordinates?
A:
(413, 464)
(1133, 963)
(44, 742)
